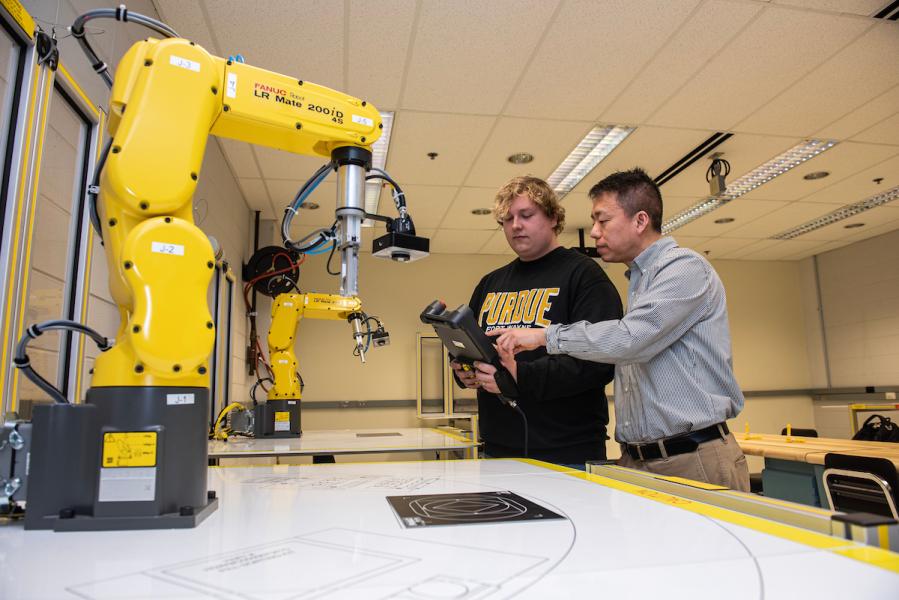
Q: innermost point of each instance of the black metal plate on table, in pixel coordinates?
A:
(467, 509)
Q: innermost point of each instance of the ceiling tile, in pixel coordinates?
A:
(859, 186)
(782, 250)
(455, 138)
(742, 210)
(375, 68)
(692, 242)
(548, 141)
(885, 132)
(821, 249)
(278, 164)
(873, 230)
(672, 205)
(240, 158)
(283, 41)
(695, 43)
(490, 44)
(791, 215)
(744, 152)
(721, 246)
(857, 74)
(426, 203)
(876, 217)
(586, 60)
(459, 215)
(459, 241)
(841, 161)
(867, 115)
(749, 249)
(773, 52)
(256, 195)
(187, 19)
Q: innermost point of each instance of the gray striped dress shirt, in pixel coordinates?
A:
(671, 351)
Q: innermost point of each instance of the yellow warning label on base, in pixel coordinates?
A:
(129, 449)
(282, 416)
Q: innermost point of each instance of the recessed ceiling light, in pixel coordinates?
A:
(724, 220)
(816, 175)
(761, 175)
(853, 225)
(844, 212)
(378, 161)
(481, 211)
(309, 205)
(520, 158)
(595, 146)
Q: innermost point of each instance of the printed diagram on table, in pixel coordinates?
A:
(333, 563)
(467, 509)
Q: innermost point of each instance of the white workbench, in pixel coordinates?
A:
(334, 442)
(327, 531)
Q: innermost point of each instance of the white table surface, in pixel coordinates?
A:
(355, 441)
(327, 531)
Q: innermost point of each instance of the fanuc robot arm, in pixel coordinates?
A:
(141, 434)
(168, 97)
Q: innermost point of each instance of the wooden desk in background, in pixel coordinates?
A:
(794, 465)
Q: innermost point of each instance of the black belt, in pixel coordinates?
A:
(679, 444)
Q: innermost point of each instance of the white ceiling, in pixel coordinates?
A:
(477, 81)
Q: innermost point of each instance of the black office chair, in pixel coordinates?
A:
(861, 484)
(800, 432)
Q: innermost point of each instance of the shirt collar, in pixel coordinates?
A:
(650, 254)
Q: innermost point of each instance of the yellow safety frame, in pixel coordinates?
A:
(36, 89)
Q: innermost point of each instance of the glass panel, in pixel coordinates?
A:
(9, 60)
(102, 312)
(51, 245)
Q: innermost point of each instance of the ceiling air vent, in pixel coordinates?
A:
(890, 12)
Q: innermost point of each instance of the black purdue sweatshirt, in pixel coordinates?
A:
(563, 397)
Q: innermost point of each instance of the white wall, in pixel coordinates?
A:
(860, 303)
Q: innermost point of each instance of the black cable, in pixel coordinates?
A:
(291, 209)
(119, 14)
(716, 167)
(400, 196)
(256, 385)
(524, 419)
(21, 360)
(368, 332)
(330, 256)
(94, 189)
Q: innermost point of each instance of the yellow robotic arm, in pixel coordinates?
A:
(287, 310)
(168, 96)
(134, 454)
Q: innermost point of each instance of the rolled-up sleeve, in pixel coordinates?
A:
(674, 301)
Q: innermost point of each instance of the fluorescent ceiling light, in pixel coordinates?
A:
(844, 212)
(378, 161)
(761, 175)
(597, 145)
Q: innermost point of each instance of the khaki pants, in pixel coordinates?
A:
(718, 461)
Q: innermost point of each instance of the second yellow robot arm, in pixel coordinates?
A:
(287, 310)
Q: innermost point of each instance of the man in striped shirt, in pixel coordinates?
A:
(674, 379)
